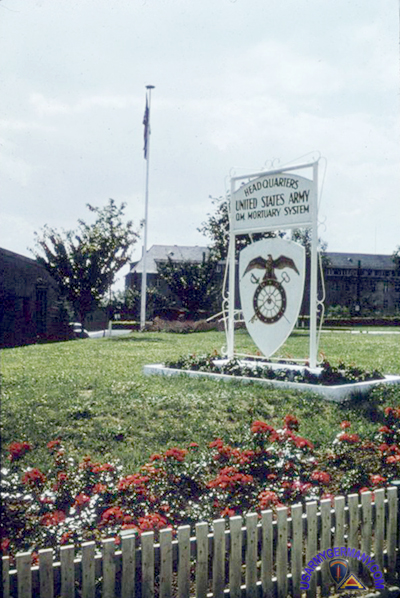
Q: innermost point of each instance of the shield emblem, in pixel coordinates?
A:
(339, 569)
(271, 285)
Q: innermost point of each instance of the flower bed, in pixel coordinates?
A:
(327, 375)
(81, 501)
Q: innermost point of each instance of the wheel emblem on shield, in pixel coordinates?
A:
(274, 301)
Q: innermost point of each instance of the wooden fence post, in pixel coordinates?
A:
(392, 529)
(24, 575)
(297, 549)
(282, 552)
(267, 553)
(202, 560)
(235, 557)
(67, 571)
(326, 542)
(147, 542)
(46, 573)
(311, 547)
(218, 580)
(165, 563)
(184, 561)
(251, 555)
(88, 570)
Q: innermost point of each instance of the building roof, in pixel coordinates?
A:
(367, 260)
(161, 253)
(182, 253)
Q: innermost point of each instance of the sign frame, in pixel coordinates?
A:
(311, 221)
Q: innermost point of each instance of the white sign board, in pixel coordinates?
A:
(273, 201)
(271, 287)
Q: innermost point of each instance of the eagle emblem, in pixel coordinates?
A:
(270, 265)
(269, 301)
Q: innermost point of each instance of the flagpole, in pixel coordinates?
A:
(146, 210)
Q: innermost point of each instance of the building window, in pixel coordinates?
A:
(385, 304)
(385, 286)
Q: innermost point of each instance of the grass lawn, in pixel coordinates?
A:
(93, 395)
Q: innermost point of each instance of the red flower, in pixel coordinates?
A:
(230, 478)
(34, 558)
(81, 500)
(322, 477)
(98, 468)
(156, 457)
(152, 521)
(193, 445)
(267, 499)
(62, 476)
(393, 459)
(5, 543)
(227, 512)
(33, 477)
(291, 422)
(135, 482)
(302, 442)
(53, 445)
(99, 489)
(386, 430)
(53, 518)
(377, 479)
(392, 412)
(383, 447)
(244, 457)
(259, 427)
(217, 443)
(176, 453)
(345, 424)
(18, 450)
(112, 516)
(349, 438)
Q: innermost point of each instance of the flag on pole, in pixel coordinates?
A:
(146, 122)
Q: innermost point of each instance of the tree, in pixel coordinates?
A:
(396, 258)
(84, 262)
(216, 228)
(196, 285)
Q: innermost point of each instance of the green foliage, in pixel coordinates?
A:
(196, 285)
(338, 311)
(84, 262)
(396, 257)
(216, 228)
(126, 302)
(329, 376)
(303, 237)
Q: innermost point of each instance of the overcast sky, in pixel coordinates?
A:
(239, 84)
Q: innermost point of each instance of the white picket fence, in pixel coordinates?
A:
(253, 558)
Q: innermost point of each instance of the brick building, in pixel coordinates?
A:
(29, 306)
(364, 283)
